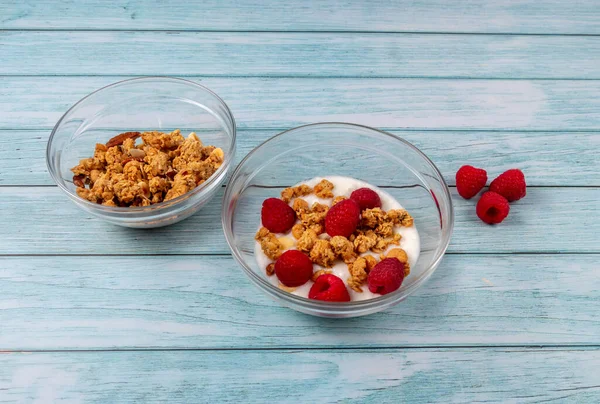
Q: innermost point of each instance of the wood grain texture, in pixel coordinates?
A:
(38, 102)
(23, 154)
(363, 376)
(207, 302)
(512, 16)
(167, 315)
(43, 221)
(295, 54)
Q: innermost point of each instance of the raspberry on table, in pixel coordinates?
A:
(510, 184)
(470, 180)
(277, 216)
(386, 276)
(366, 198)
(293, 268)
(342, 218)
(329, 288)
(492, 208)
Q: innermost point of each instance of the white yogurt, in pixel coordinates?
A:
(345, 186)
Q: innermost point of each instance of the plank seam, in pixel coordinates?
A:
(224, 255)
(510, 347)
(304, 76)
(386, 128)
(304, 32)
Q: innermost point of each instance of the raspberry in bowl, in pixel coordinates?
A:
(283, 178)
(336, 227)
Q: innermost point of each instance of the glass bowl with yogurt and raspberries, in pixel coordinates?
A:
(337, 219)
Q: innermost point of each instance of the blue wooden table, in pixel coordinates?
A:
(94, 312)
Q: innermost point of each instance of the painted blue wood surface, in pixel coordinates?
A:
(495, 84)
(279, 54)
(549, 220)
(201, 302)
(23, 154)
(388, 103)
(480, 16)
(366, 376)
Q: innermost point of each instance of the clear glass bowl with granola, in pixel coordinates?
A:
(144, 152)
(308, 175)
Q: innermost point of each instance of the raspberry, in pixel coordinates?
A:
(293, 268)
(277, 216)
(366, 198)
(329, 288)
(386, 276)
(510, 184)
(492, 208)
(470, 180)
(342, 218)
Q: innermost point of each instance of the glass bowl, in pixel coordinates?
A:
(142, 104)
(326, 149)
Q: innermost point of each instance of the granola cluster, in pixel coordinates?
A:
(360, 252)
(162, 167)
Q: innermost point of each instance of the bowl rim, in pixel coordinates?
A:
(154, 208)
(339, 307)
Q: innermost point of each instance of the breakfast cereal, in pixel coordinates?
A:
(163, 167)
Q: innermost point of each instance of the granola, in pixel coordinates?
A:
(343, 248)
(307, 240)
(400, 217)
(337, 199)
(358, 274)
(162, 167)
(322, 253)
(301, 190)
(375, 234)
(269, 243)
(323, 189)
(298, 230)
(365, 241)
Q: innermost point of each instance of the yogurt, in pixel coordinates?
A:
(344, 186)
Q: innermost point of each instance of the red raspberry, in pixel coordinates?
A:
(492, 208)
(386, 276)
(366, 198)
(293, 268)
(329, 288)
(470, 180)
(277, 216)
(342, 218)
(510, 184)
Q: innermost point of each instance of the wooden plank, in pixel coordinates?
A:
(38, 102)
(547, 220)
(366, 376)
(547, 158)
(295, 54)
(207, 302)
(512, 16)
